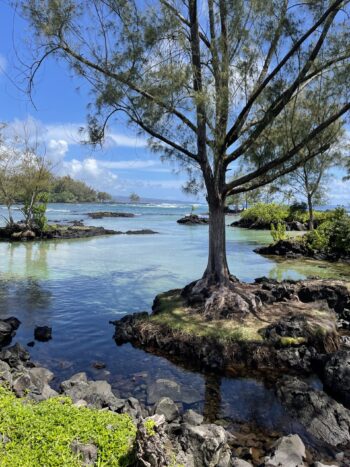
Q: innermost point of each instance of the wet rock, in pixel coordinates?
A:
(87, 452)
(288, 451)
(13, 322)
(6, 332)
(336, 376)
(42, 333)
(193, 219)
(16, 356)
(192, 418)
(96, 393)
(163, 388)
(31, 344)
(168, 408)
(321, 416)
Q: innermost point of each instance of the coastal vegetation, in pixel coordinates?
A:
(42, 433)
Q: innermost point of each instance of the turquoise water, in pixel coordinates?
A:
(78, 286)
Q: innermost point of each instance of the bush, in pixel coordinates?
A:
(41, 434)
(333, 235)
(279, 232)
(271, 213)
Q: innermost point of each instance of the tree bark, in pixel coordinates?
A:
(217, 272)
(311, 212)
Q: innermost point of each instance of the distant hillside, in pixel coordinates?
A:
(67, 190)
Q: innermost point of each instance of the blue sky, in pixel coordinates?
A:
(124, 165)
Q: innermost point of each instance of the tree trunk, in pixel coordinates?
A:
(311, 212)
(217, 271)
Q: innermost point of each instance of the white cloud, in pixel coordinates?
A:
(339, 192)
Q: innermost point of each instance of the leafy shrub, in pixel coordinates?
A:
(41, 434)
(333, 235)
(279, 232)
(271, 213)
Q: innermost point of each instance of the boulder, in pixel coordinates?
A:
(6, 332)
(207, 445)
(288, 451)
(95, 393)
(336, 376)
(14, 322)
(42, 333)
(16, 356)
(5, 373)
(320, 415)
(168, 408)
(192, 418)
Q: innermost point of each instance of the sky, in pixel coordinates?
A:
(124, 165)
(59, 108)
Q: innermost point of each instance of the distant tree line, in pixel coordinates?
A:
(67, 190)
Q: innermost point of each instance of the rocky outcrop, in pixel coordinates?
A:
(63, 232)
(322, 417)
(336, 376)
(258, 224)
(102, 214)
(193, 219)
(295, 249)
(8, 329)
(287, 248)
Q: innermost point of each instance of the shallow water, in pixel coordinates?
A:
(78, 286)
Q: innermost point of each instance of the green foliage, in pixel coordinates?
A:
(279, 232)
(37, 211)
(41, 433)
(333, 235)
(150, 427)
(271, 213)
(67, 190)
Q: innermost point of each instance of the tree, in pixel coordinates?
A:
(8, 188)
(25, 175)
(103, 197)
(134, 198)
(207, 82)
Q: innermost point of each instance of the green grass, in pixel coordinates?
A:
(41, 433)
(175, 315)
